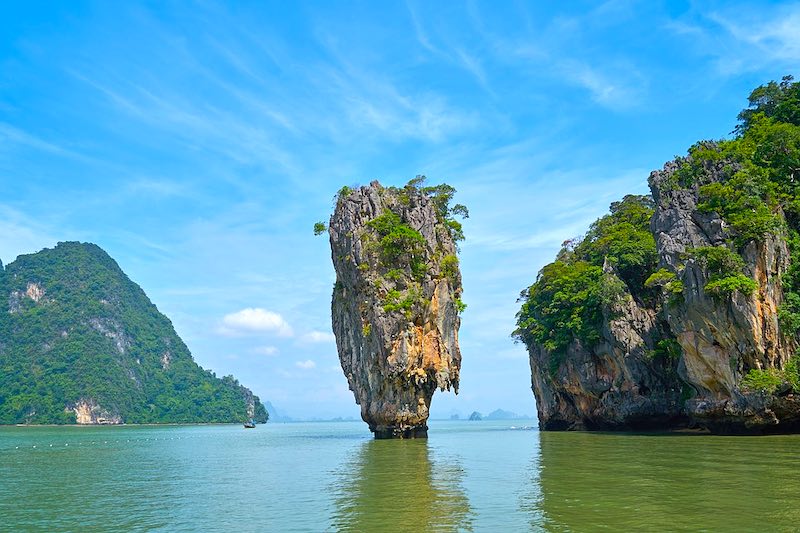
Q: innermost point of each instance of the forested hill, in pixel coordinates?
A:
(80, 342)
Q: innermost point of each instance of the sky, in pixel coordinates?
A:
(198, 142)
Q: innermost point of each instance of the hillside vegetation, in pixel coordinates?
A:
(74, 329)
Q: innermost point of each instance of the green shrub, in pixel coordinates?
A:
(611, 289)
(694, 169)
(725, 270)
(623, 239)
(320, 228)
(563, 304)
(449, 267)
(668, 349)
(660, 278)
(398, 301)
(394, 274)
(667, 280)
(396, 239)
(442, 195)
(741, 202)
(789, 313)
(770, 379)
(730, 284)
(717, 259)
(763, 380)
(460, 305)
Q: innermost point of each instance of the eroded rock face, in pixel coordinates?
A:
(722, 337)
(618, 384)
(615, 384)
(89, 412)
(395, 314)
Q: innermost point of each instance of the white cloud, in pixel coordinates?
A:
(319, 336)
(308, 364)
(269, 351)
(255, 320)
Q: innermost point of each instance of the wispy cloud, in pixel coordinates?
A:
(269, 351)
(609, 89)
(318, 337)
(763, 39)
(21, 234)
(10, 136)
(744, 38)
(308, 364)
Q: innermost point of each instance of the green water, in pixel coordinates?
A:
(468, 476)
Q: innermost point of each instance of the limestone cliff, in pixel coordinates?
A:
(722, 336)
(691, 352)
(683, 307)
(616, 383)
(396, 301)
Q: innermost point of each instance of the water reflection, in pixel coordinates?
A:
(666, 482)
(400, 485)
(531, 501)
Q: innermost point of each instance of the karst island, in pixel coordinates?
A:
(397, 299)
(682, 308)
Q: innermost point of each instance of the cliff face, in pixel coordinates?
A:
(617, 383)
(395, 306)
(722, 336)
(683, 308)
(81, 343)
(680, 356)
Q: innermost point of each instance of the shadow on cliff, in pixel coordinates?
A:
(395, 485)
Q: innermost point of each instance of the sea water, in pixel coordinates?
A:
(468, 476)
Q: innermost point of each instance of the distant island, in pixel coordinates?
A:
(497, 414)
(682, 307)
(81, 343)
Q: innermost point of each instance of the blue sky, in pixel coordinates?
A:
(198, 143)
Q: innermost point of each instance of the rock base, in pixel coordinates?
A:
(416, 432)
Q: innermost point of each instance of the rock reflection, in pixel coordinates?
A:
(395, 485)
(670, 482)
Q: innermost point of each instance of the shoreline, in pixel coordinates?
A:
(151, 424)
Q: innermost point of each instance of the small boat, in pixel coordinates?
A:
(249, 424)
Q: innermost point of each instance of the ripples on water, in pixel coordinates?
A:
(469, 476)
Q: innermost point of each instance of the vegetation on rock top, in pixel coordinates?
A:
(566, 302)
(398, 257)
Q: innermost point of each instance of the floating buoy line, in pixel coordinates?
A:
(59, 445)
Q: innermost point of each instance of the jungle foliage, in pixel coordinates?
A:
(94, 334)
